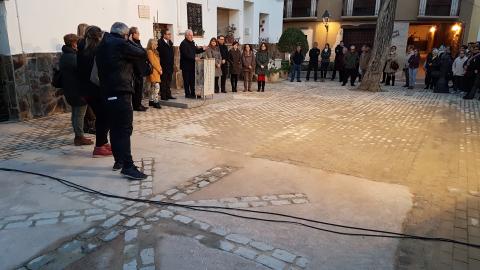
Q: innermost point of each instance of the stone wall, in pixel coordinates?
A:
(8, 101)
(35, 95)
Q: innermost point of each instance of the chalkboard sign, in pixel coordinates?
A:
(194, 18)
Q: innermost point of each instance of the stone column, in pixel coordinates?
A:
(349, 7)
(454, 8)
(289, 8)
(313, 8)
(377, 6)
(422, 8)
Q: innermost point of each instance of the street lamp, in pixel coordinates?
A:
(326, 21)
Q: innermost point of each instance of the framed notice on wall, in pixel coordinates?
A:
(194, 18)
(144, 12)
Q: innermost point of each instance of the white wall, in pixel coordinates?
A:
(44, 22)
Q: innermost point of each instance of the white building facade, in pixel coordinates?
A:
(31, 37)
(32, 26)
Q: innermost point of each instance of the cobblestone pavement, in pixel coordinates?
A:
(427, 142)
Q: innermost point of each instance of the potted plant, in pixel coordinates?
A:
(273, 72)
(290, 39)
(230, 36)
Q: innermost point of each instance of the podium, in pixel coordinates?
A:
(205, 77)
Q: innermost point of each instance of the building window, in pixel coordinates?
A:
(303, 8)
(194, 18)
(364, 7)
(438, 7)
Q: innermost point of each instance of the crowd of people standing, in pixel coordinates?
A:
(107, 72)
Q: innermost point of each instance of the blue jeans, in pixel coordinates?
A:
(412, 76)
(296, 69)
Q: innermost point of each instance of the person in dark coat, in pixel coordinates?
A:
(313, 54)
(235, 60)
(188, 56)
(413, 64)
(115, 59)
(473, 73)
(91, 92)
(262, 58)
(339, 61)
(71, 89)
(326, 53)
(428, 71)
(445, 68)
(351, 66)
(224, 52)
(141, 70)
(296, 59)
(166, 53)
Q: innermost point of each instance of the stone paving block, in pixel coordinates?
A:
(46, 222)
(151, 267)
(203, 184)
(132, 222)
(73, 220)
(229, 200)
(96, 218)
(134, 188)
(165, 214)
(458, 265)
(170, 192)
(237, 238)
(45, 215)
(246, 252)
(40, 261)
(284, 255)
(261, 246)
(149, 212)
(249, 199)
(302, 262)
(178, 196)
(147, 256)
(238, 205)
(473, 264)
(19, 225)
(112, 221)
(71, 213)
(94, 211)
(269, 197)
(70, 247)
(271, 262)
(147, 185)
(299, 201)
(130, 251)
(182, 219)
(219, 231)
(153, 219)
(201, 225)
(131, 265)
(146, 192)
(226, 246)
(158, 198)
(286, 196)
(131, 235)
(258, 204)
(280, 202)
(146, 227)
(111, 235)
(16, 218)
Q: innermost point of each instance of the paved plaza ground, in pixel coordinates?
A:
(386, 161)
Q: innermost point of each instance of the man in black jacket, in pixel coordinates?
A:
(165, 51)
(338, 61)
(313, 62)
(140, 71)
(188, 56)
(115, 59)
(473, 73)
(224, 52)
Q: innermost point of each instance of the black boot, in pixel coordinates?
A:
(263, 86)
(393, 80)
(259, 85)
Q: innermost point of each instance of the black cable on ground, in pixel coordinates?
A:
(295, 221)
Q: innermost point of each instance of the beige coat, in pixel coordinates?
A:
(214, 53)
(390, 59)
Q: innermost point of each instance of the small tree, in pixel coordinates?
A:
(290, 39)
(383, 39)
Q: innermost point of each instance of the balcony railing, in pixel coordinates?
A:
(364, 8)
(438, 8)
(300, 8)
